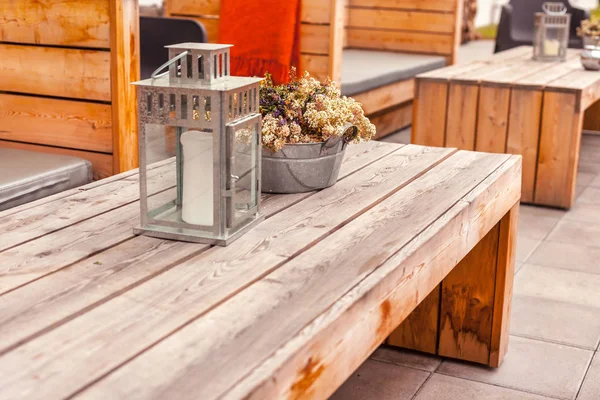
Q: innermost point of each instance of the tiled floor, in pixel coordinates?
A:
(555, 326)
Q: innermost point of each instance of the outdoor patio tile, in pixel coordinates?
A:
(406, 358)
(534, 225)
(589, 167)
(381, 381)
(555, 321)
(591, 384)
(585, 178)
(567, 256)
(444, 387)
(596, 181)
(533, 366)
(542, 212)
(567, 231)
(588, 213)
(590, 195)
(525, 246)
(558, 284)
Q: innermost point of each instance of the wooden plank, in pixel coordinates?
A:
(492, 119)
(43, 303)
(194, 7)
(124, 69)
(585, 83)
(524, 134)
(84, 23)
(430, 5)
(337, 37)
(457, 29)
(386, 96)
(591, 121)
(461, 119)
(57, 215)
(560, 141)
(347, 196)
(392, 119)
(316, 11)
(317, 65)
(315, 39)
(429, 121)
(419, 331)
(101, 162)
(300, 285)
(75, 73)
(505, 273)
(416, 42)
(540, 79)
(53, 122)
(468, 302)
(390, 19)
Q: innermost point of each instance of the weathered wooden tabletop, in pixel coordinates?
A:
(88, 310)
(509, 103)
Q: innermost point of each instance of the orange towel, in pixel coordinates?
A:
(265, 35)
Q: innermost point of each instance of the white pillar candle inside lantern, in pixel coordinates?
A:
(551, 33)
(217, 193)
(197, 203)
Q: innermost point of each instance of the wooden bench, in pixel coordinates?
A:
(289, 310)
(343, 39)
(65, 69)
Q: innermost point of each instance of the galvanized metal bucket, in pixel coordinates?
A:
(299, 168)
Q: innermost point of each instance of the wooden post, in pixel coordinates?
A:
(124, 69)
(467, 317)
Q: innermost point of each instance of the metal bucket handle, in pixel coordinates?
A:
(349, 132)
(156, 74)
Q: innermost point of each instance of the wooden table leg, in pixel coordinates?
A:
(467, 315)
(591, 121)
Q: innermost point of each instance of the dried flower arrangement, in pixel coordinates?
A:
(307, 111)
(589, 27)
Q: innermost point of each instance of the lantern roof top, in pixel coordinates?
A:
(199, 46)
(223, 85)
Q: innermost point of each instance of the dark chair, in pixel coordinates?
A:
(516, 26)
(156, 33)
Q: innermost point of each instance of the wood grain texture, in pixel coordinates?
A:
(74, 73)
(409, 41)
(124, 69)
(392, 119)
(291, 236)
(386, 96)
(524, 134)
(419, 331)
(591, 120)
(314, 366)
(43, 303)
(83, 23)
(389, 19)
(53, 122)
(505, 273)
(317, 65)
(558, 157)
(337, 37)
(461, 116)
(467, 304)
(430, 100)
(430, 5)
(492, 119)
(101, 162)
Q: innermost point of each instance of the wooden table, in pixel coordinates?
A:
(287, 311)
(512, 104)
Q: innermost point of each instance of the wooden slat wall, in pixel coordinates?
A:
(319, 39)
(65, 68)
(430, 27)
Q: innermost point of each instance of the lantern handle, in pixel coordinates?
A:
(156, 74)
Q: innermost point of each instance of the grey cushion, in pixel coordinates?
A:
(364, 70)
(26, 175)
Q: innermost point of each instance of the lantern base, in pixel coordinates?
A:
(186, 235)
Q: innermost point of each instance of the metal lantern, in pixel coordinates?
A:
(551, 33)
(212, 193)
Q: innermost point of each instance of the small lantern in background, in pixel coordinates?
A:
(551, 33)
(213, 195)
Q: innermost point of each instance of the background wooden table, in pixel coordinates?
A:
(87, 310)
(512, 104)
